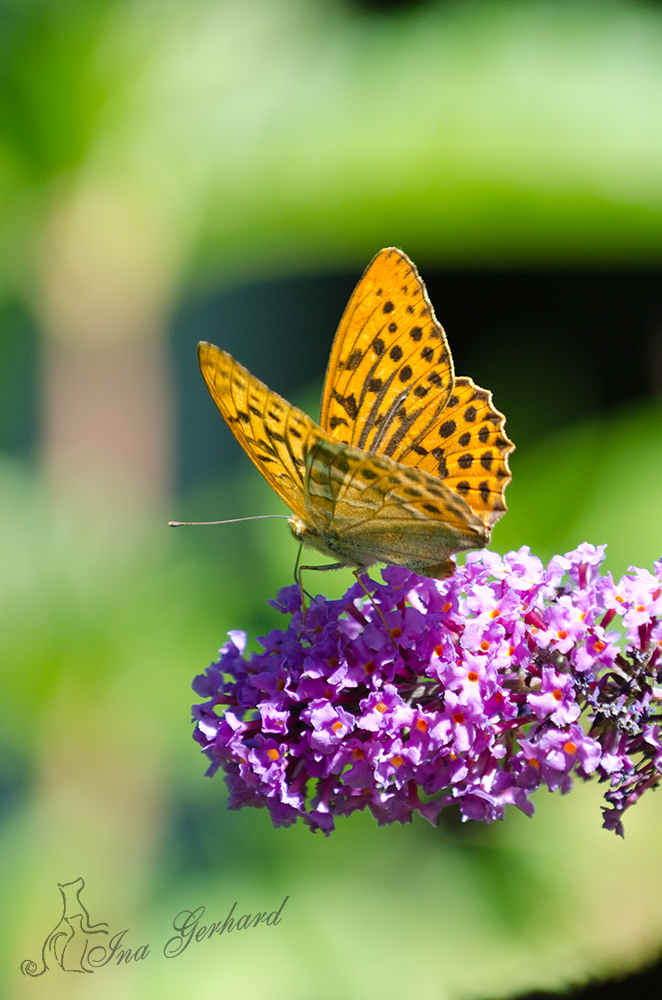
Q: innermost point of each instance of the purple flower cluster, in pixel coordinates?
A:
(467, 690)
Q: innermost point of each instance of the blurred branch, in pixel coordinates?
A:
(106, 271)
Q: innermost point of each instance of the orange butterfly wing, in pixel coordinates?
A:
(390, 370)
(390, 389)
(273, 433)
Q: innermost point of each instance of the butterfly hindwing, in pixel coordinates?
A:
(378, 510)
(467, 448)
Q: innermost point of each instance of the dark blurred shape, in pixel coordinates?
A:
(553, 347)
(640, 985)
(202, 830)
(16, 778)
(20, 360)
(655, 352)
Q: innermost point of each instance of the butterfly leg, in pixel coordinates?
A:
(356, 573)
(298, 576)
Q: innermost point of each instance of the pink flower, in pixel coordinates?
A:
(467, 690)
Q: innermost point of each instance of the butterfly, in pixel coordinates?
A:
(408, 463)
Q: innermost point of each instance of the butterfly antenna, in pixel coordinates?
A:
(231, 520)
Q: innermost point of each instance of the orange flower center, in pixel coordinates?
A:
(380, 707)
(562, 634)
(458, 717)
(397, 761)
(558, 695)
(273, 754)
(472, 676)
(422, 725)
(569, 747)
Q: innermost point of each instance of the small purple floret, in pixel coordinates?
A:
(467, 690)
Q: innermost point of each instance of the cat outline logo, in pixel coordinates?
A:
(67, 944)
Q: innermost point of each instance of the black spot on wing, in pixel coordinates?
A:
(348, 404)
(438, 453)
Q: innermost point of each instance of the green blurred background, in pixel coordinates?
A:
(225, 169)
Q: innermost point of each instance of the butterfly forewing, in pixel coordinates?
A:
(273, 433)
(390, 369)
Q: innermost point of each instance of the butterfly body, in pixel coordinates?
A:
(408, 464)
